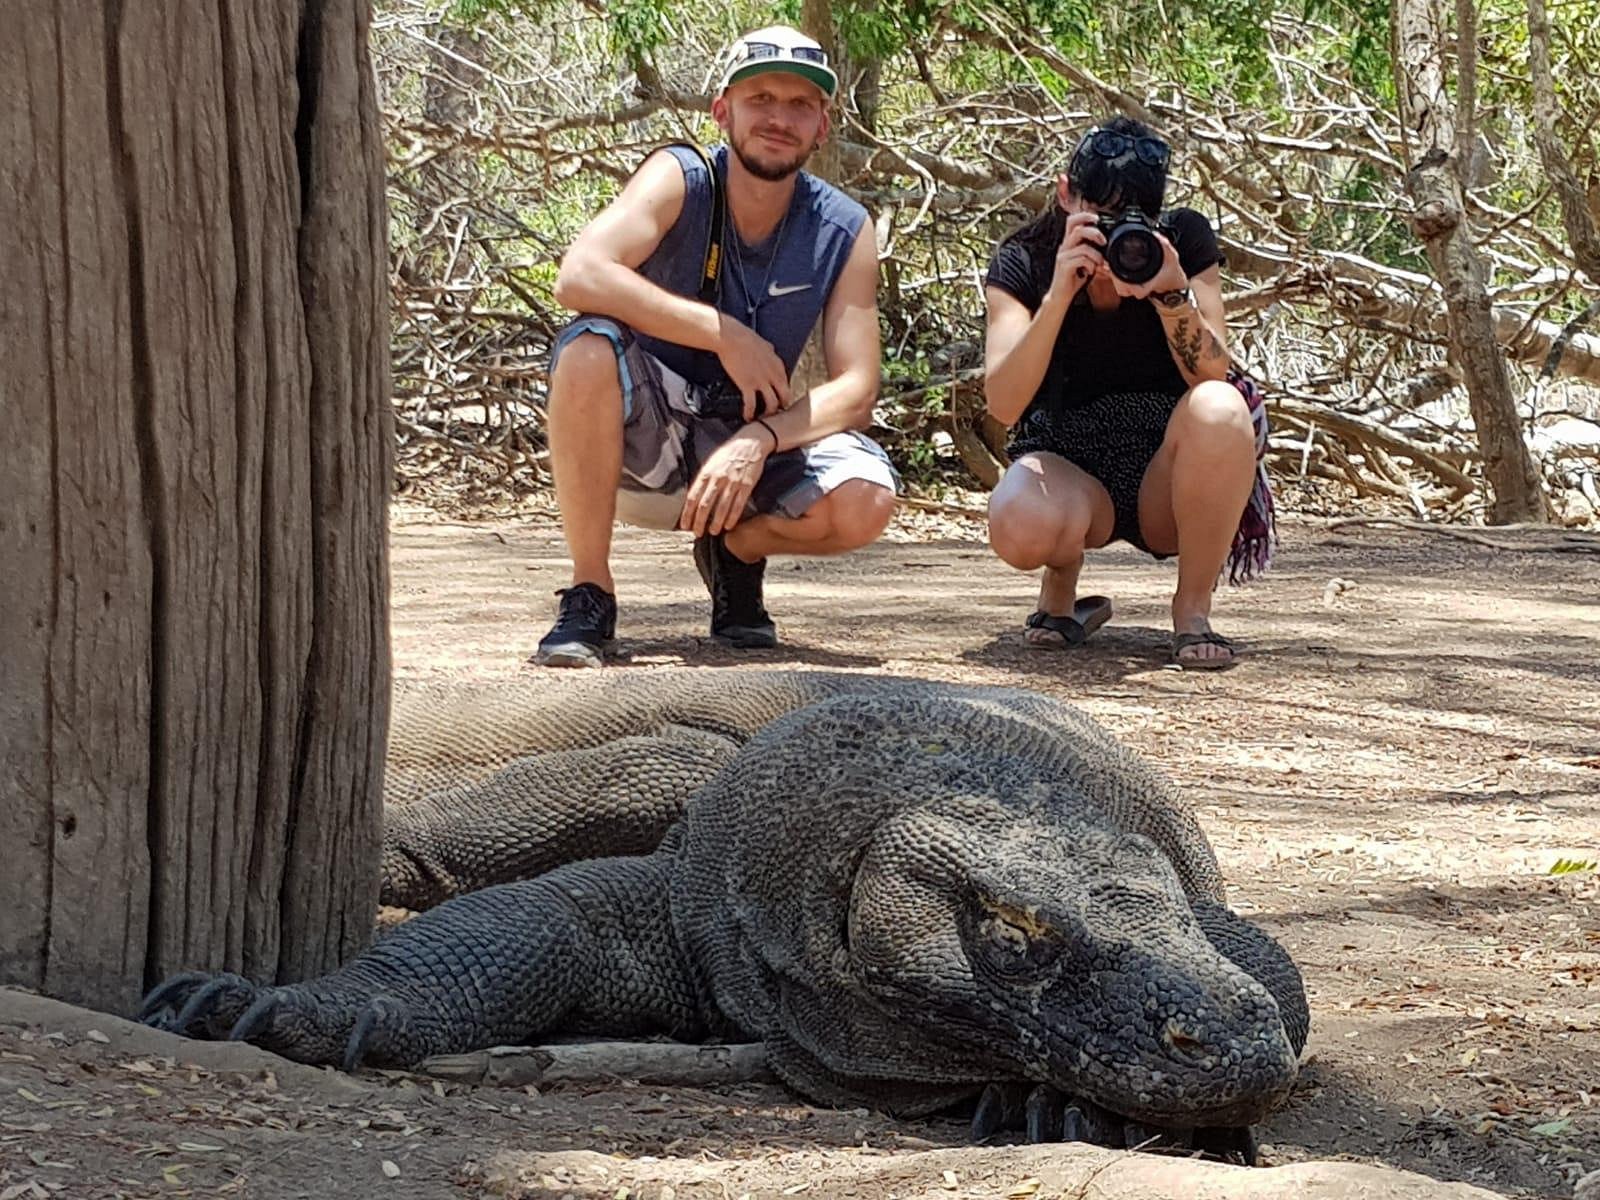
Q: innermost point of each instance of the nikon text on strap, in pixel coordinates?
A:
(711, 269)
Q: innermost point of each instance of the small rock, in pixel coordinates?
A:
(390, 1169)
(1334, 588)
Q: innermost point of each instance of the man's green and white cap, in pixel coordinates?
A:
(778, 48)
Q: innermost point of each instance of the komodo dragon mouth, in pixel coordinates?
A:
(914, 893)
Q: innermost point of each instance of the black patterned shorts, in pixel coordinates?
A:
(1113, 438)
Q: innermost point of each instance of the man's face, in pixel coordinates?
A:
(774, 121)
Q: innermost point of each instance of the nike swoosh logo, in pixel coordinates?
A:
(774, 290)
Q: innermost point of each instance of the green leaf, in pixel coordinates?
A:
(1552, 1128)
(1573, 866)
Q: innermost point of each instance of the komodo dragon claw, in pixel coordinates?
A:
(1046, 1114)
(1233, 1145)
(218, 996)
(294, 1021)
(1045, 1110)
(157, 1010)
(255, 1017)
(376, 1016)
(999, 1108)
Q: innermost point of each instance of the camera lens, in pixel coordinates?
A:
(1133, 253)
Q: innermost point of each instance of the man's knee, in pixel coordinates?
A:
(585, 368)
(859, 512)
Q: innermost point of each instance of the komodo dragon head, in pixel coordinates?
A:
(1071, 950)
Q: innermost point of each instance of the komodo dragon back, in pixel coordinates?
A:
(445, 733)
(493, 781)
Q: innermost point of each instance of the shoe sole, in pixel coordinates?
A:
(572, 654)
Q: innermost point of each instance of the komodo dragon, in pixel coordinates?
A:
(914, 893)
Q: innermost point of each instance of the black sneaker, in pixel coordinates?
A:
(585, 628)
(737, 614)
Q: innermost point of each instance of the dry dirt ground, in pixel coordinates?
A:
(1411, 744)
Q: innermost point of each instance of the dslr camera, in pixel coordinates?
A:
(1132, 250)
(722, 399)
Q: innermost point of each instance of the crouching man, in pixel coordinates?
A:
(671, 411)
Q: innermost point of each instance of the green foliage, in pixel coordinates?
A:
(473, 12)
(638, 28)
(1573, 866)
(1362, 46)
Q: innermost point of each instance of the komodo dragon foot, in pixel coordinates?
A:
(1046, 1114)
(295, 1021)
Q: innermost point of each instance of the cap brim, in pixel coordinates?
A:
(822, 76)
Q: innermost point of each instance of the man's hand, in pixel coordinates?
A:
(753, 366)
(1079, 257)
(716, 499)
(1170, 278)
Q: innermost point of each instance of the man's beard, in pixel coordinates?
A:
(768, 171)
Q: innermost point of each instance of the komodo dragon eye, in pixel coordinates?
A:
(1013, 941)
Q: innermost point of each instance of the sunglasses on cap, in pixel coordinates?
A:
(1106, 143)
(755, 51)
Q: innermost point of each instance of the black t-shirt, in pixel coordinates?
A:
(1099, 353)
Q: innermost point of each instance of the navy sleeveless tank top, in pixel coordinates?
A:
(787, 278)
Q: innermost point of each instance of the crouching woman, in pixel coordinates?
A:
(1129, 421)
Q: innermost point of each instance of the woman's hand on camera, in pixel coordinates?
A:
(1079, 258)
(1170, 278)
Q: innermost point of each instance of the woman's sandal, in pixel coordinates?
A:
(1182, 641)
(1088, 614)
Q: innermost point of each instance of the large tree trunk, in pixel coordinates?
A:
(1440, 220)
(194, 665)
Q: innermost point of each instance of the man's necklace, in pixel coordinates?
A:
(753, 303)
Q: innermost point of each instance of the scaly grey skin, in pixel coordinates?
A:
(542, 811)
(913, 893)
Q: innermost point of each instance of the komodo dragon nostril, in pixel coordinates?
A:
(1181, 1040)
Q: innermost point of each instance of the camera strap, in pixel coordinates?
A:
(711, 268)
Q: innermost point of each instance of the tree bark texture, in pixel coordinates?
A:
(1576, 218)
(194, 662)
(1440, 221)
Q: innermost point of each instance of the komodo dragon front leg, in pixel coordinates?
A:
(584, 948)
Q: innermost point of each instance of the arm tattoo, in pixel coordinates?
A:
(1187, 347)
(1192, 340)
